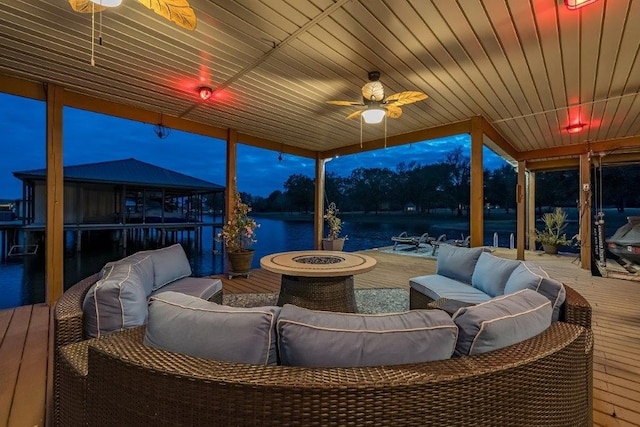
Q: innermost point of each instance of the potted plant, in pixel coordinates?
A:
(237, 235)
(333, 241)
(553, 234)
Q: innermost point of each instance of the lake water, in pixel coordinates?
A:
(22, 278)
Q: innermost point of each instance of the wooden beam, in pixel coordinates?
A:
(585, 212)
(476, 216)
(575, 150)
(555, 164)
(521, 211)
(406, 138)
(497, 139)
(268, 144)
(54, 261)
(318, 213)
(21, 87)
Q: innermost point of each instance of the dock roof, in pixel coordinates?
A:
(131, 172)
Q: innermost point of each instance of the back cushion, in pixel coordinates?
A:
(491, 273)
(501, 321)
(325, 339)
(145, 273)
(457, 263)
(531, 276)
(189, 325)
(117, 301)
(169, 264)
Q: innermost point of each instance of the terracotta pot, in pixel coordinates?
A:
(240, 262)
(333, 244)
(550, 249)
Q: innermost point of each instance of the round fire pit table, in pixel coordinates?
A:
(318, 280)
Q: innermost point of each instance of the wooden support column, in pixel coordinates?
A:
(531, 211)
(232, 157)
(585, 212)
(318, 212)
(476, 217)
(54, 234)
(521, 211)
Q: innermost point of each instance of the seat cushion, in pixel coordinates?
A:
(531, 276)
(117, 301)
(169, 264)
(491, 273)
(190, 325)
(326, 339)
(201, 287)
(435, 287)
(457, 263)
(501, 321)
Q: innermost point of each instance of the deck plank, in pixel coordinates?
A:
(31, 385)
(11, 354)
(616, 326)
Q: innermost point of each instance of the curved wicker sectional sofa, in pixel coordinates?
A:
(116, 380)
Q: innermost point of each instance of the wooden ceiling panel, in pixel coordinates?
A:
(529, 67)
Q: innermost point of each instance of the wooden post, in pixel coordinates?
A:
(232, 156)
(531, 211)
(585, 212)
(521, 214)
(318, 213)
(54, 276)
(476, 217)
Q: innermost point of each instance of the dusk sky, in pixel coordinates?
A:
(91, 137)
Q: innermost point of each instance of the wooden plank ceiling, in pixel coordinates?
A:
(529, 67)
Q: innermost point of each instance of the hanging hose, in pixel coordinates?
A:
(602, 253)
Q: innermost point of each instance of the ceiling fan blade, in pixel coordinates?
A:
(85, 6)
(403, 98)
(354, 115)
(177, 11)
(393, 111)
(345, 103)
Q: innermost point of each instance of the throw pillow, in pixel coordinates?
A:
(169, 264)
(117, 301)
(531, 276)
(457, 263)
(189, 325)
(501, 321)
(491, 273)
(325, 339)
(146, 272)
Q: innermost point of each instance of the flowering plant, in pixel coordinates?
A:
(239, 231)
(335, 223)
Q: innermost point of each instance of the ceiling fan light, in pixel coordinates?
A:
(577, 4)
(107, 3)
(373, 115)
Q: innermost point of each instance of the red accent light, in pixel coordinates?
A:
(577, 4)
(205, 92)
(575, 128)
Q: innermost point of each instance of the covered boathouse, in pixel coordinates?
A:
(131, 198)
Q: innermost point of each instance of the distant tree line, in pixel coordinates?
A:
(444, 185)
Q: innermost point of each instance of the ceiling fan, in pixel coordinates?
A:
(375, 103)
(176, 11)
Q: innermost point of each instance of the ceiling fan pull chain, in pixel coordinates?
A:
(100, 31)
(385, 131)
(93, 27)
(360, 130)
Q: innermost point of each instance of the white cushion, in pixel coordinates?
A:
(169, 264)
(491, 273)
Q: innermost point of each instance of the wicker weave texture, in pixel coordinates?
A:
(544, 381)
(319, 293)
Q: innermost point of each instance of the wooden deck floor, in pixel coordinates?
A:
(25, 359)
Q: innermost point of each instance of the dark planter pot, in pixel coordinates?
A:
(550, 249)
(333, 244)
(240, 262)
